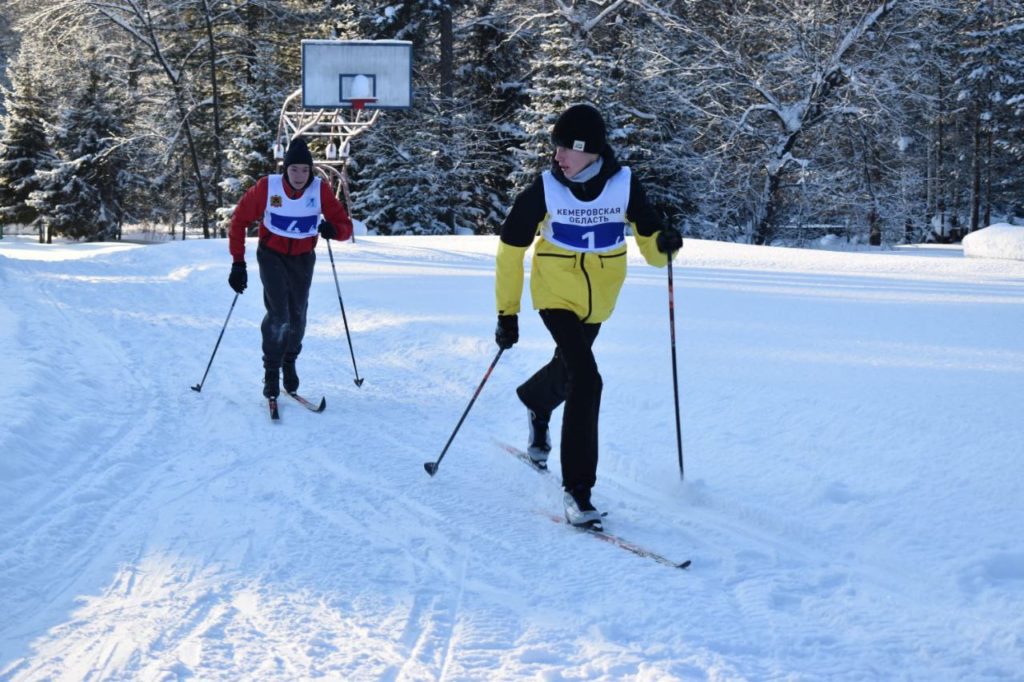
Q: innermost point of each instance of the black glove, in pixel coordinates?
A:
(328, 231)
(507, 332)
(239, 278)
(669, 240)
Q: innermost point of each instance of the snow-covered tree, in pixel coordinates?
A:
(23, 145)
(80, 194)
(253, 122)
(8, 46)
(990, 73)
(601, 54)
(402, 168)
(490, 90)
(774, 77)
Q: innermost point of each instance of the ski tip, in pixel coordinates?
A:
(541, 467)
(308, 405)
(685, 564)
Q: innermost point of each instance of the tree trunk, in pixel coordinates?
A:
(218, 152)
(940, 153)
(929, 181)
(447, 69)
(874, 221)
(145, 32)
(988, 183)
(197, 169)
(975, 172)
(764, 218)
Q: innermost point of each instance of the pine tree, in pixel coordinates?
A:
(559, 76)
(8, 46)
(589, 54)
(80, 195)
(251, 125)
(23, 145)
(490, 82)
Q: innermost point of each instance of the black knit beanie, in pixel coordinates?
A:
(298, 152)
(581, 128)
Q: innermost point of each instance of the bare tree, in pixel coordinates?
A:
(771, 76)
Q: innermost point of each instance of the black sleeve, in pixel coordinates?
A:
(640, 212)
(520, 227)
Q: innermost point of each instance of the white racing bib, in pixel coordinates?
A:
(294, 218)
(586, 226)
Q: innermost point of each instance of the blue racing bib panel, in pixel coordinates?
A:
(294, 218)
(301, 226)
(590, 238)
(586, 226)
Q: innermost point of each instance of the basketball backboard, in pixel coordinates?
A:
(376, 74)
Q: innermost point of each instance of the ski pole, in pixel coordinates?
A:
(359, 382)
(675, 377)
(199, 387)
(431, 467)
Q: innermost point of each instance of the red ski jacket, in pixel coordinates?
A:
(252, 206)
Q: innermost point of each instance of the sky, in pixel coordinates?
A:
(851, 503)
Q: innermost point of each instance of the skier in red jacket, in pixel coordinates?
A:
(288, 208)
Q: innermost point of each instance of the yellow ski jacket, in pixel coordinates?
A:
(587, 283)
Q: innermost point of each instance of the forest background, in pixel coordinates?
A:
(759, 121)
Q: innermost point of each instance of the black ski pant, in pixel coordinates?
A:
(286, 280)
(570, 377)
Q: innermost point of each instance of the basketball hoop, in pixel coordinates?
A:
(361, 92)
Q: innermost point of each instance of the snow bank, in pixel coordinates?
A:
(996, 241)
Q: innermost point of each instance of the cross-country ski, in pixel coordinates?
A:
(622, 543)
(312, 407)
(523, 456)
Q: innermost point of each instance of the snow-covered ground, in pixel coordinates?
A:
(852, 504)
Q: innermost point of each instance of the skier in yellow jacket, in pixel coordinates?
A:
(575, 216)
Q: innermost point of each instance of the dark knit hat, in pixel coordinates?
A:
(298, 152)
(581, 128)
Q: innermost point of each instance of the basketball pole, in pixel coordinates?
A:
(339, 79)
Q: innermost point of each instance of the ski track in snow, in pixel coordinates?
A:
(157, 533)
